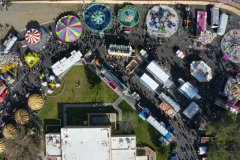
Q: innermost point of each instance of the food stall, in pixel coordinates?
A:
(120, 50)
(168, 105)
(144, 53)
(180, 54)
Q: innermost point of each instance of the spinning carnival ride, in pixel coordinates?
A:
(21, 116)
(162, 21)
(9, 131)
(230, 45)
(128, 16)
(35, 102)
(68, 28)
(97, 17)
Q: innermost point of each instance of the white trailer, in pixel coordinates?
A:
(223, 24)
(214, 17)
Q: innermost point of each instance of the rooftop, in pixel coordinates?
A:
(86, 143)
(124, 147)
(53, 144)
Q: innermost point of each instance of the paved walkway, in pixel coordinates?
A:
(223, 3)
(42, 138)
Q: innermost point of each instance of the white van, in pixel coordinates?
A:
(214, 17)
(223, 24)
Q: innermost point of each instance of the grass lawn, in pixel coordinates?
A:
(147, 135)
(81, 113)
(92, 89)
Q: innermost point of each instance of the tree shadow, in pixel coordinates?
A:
(93, 80)
(32, 24)
(154, 137)
(67, 13)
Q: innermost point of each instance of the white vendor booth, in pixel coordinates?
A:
(65, 63)
(189, 91)
(191, 110)
(120, 50)
(201, 71)
(161, 73)
(149, 82)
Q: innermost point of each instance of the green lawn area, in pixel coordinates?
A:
(81, 113)
(146, 134)
(92, 89)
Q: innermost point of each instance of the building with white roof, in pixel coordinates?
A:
(86, 143)
(53, 144)
(123, 147)
(90, 143)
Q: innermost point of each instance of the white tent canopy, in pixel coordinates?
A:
(201, 71)
(157, 72)
(191, 110)
(157, 125)
(149, 81)
(189, 91)
(64, 64)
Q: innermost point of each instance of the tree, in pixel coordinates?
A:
(226, 133)
(23, 146)
(129, 122)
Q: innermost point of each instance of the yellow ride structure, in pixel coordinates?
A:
(8, 62)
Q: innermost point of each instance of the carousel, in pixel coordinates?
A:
(21, 116)
(162, 21)
(128, 16)
(97, 17)
(36, 38)
(9, 131)
(35, 102)
(68, 28)
(230, 46)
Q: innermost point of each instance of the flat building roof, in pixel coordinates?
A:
(86, 143)
(124, 147)
(53, 144)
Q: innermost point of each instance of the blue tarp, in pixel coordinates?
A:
(98, 17)
(168, 135)
(144, 114)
